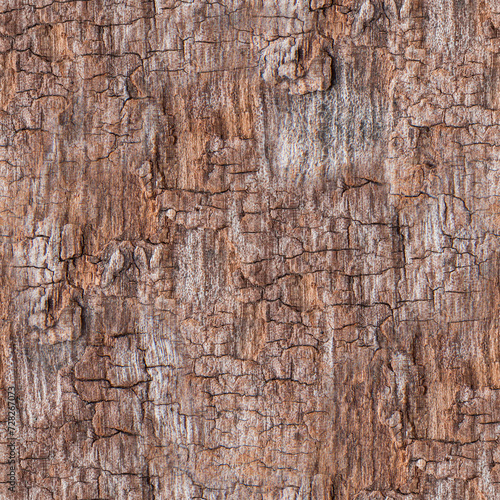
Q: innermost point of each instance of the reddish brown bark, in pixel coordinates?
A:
(250, 249)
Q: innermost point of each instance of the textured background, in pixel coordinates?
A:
(250, 249)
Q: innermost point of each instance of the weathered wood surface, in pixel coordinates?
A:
(250, 249)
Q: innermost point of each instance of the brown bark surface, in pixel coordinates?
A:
(250, 249)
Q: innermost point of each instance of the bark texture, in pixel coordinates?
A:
(250, 249)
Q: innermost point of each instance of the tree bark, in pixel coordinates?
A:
(250, 249)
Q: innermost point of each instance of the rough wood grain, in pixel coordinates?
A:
(250, 249)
